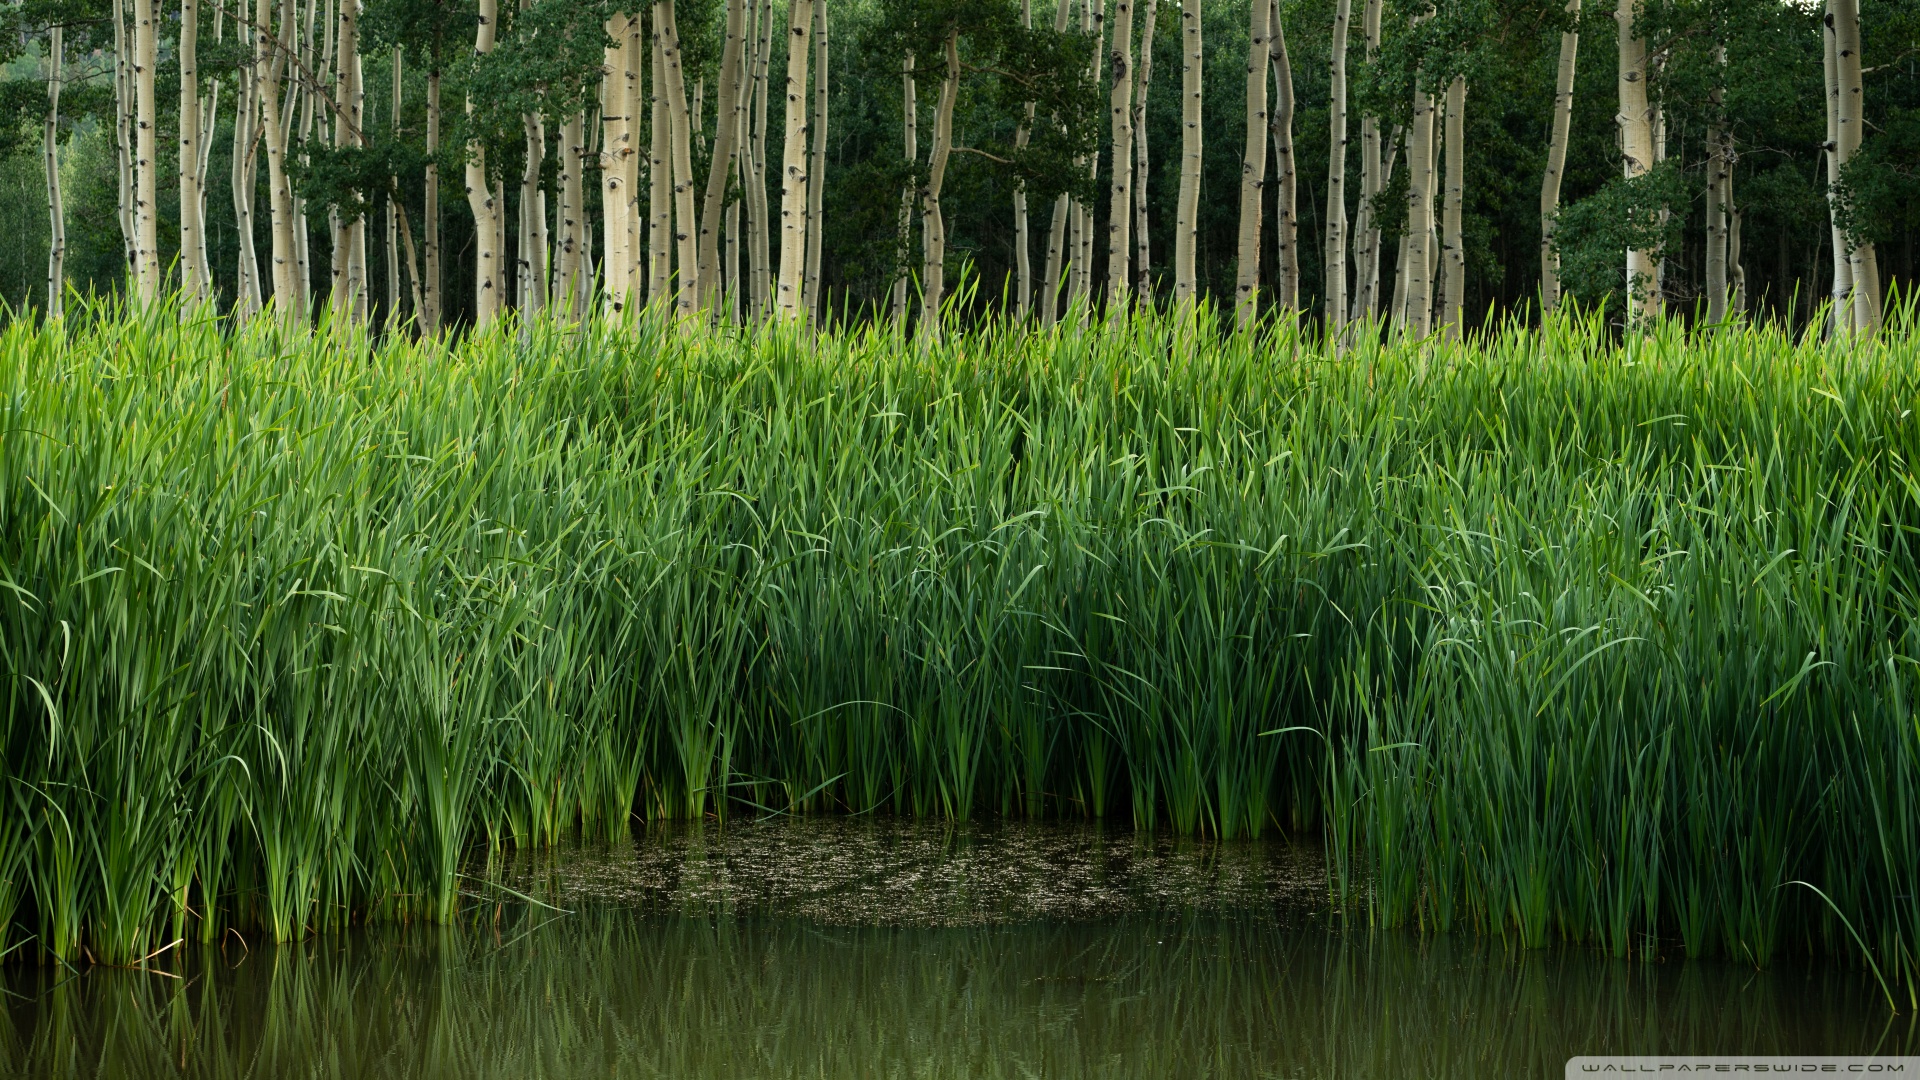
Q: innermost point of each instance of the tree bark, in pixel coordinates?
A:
(241, 178)
(1416, 316)
(397, 72)
(793, 173)
(731, 103)
(1186, 222)
(759, 243)
(1366, 231)
(1142, 242)
(1862, 261)
(1022, 243)
(1336, 238)
(1716, 170)
(193, 276)
(1637, 151)
(616, 258)
(350, 292)
(567, 276)
(817, 172)
(933, 223)
(1120, 200)
(486, 211)
(146, 161)
(533, 217)
(123, 95)
(56, 205)
(1253, 164)
(1557, 163)
(287, 299)
(430, 228)
(659, 182)
(1286, 217)
(1842, 313)
(1454, 294)
(910, 143)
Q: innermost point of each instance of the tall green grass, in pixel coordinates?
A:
(1550, 636)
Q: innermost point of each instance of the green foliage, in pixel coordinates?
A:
(1647, 212)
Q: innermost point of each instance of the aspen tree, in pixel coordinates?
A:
(1142, 241)
(731, 105)
(659, 182)
(1455, 282)
(123, 108)
(1637, 149)
(817, 172)
(1717, 165)
(146, 213)
(1366, 231)
(570, 216)
(910, 143)
(350, 277)
(793, 173)
(1557, 160)
(1861, 259)
(1286, 218)
(1053, 283)
(615, 144)
(532, 257)
(430, 228)
(56, 206)
(759, 255)
(1022, 255)
(1186, 220)
(632, 91)
(680, 147)
(1842, 312)
(193, 273)
(1336, 236)
(1417, 313)
(270, 60)
(395, 74)
(1080, 287)
(933, 240)
(1120, 202)
(1253, 164)
(480, 196)
(241, 180)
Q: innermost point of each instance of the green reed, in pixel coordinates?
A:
(1550, 636)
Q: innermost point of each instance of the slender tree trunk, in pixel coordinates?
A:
(793, 173)
(910, 144)
(430, 228)
(640, 57)
(486, 211)
(1557, 163)
(350, 296)
(1861, 258)
(1336, 247)
(533, 215)
(1253, 164)
(204, 126)
(1120, 201)
(1095, 21)
(270, 67)
(817, 173)
(1142, 242)
(123, 95)
(1416, 315)
(193, 276)
(731, 105)
(1735, 270)
(616, 145)
(1454, 296)
(1022, 242)
(1366, 231)
(56, 206)
(760, 254)
(933, 222)
(1637, 151)
(566, 272)
(1716, 209)
(146, 161)
(393, 205)
(1842, 314)
(1367, 298)
(680, 138)
(659, 183)
(1186, 285)
(241, 178)
(1286, 216)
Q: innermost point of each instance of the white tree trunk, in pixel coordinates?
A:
(817, 172)
(793, 172)
(480, 197)
(616, 259)
(1637, 151)
(1863, 262)
(1336, 238)
(241, 180)
(123, 95)
(1454, 293)
(430, 228)
(1842, 313)
(1253, 164)
(759, 252)
(1120, 198)
(1415, 316)
(1142, 242)
(1186, 227)
(193, 275)
(1557, 163)
(287, 299)
(1286, 215)
(731, 105)
(533, 218)
(933, 223)
(56, 205)
(1366, 231)
(571, 216)
(397, 73)
(146, 160)
(1718, 148)
(686, 242)
(910, 144)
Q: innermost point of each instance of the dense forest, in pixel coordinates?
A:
(446, 161)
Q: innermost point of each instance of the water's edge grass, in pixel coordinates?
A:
(1547, 635)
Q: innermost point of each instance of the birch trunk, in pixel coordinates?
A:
(56, 206)
(430, 228)
(1120, 201)
(1842, 313)
(533, 217)
(1253, 164)
(480, 200)
(680, 146)
(1716, 171)
(933, 223)
(1186, 220)
(146, 161)
(1366, 231)
(1557, 163)
(393, 213)
(1452, 314)
(659, 182)
(348, 128)
(1637, 151)
(793, 173)
(270, 60)
(566, 273)
(759, 254)
(910, 143)
(1094, 22)
(616, 145)
(1861, 258)
(817, 174)
(1286, 216)
(731, 103)
(193, 274)
(242, 174)
(1416, 314)
(1336, 238)
(123, 94)
(640, 55)
(1142, 242)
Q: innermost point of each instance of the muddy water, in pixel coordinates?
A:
(860, 948)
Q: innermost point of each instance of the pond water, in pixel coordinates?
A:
(862, 948)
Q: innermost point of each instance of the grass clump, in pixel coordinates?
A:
(1561, 637)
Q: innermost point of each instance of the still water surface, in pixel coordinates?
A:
(861, 948)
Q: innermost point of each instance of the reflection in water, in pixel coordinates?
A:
(704, 969)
